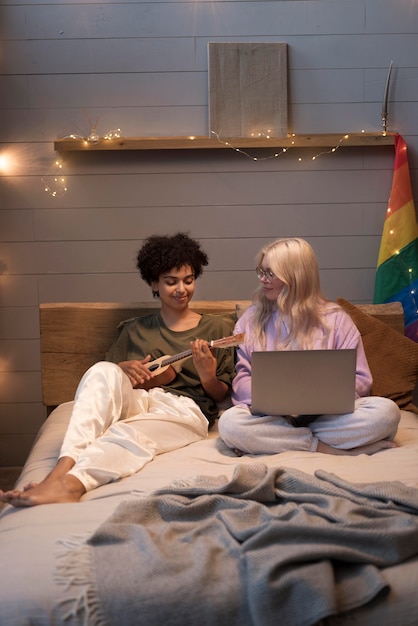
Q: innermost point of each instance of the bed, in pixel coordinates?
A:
(200, 536)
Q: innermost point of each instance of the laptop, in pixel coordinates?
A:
(303, 382)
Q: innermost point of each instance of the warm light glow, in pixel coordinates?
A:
(7, 163)
(14, 160)
(112, 134)
(4, 163)
(55, 183)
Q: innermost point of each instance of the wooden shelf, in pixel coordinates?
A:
(69, 144)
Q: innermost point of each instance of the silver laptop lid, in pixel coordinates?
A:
(303, 382)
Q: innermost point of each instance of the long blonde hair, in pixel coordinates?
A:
(300, 303)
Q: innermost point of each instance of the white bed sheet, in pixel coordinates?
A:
(30, 538)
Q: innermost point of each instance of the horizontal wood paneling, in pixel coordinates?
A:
(117, 90)
(18, 291)
(145, 19)
(186, 88)
(142, 67)
(218, 189)
(14, 449)
(114, 257)
(20, 322)
(14, 386)
(19, 355)
(354, 284)
(203, 221)
(15, 416)
(190, 53)
(99, 56)
(22, 125)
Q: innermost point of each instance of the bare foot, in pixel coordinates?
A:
(30, 485)
(51, 490)
(58, 486)
(371, 448)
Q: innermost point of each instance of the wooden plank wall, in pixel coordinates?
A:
(73, 68)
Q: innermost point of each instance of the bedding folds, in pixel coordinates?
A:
(269, 542)
(331, 536)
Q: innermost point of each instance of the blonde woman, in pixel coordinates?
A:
(290, 312)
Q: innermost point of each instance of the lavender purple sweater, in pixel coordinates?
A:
(343, 335)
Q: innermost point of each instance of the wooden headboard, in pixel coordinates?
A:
(75, 335)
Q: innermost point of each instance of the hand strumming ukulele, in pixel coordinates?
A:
(158, 366)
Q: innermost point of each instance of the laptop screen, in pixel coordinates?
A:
(303, 382)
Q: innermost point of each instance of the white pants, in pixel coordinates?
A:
(374, 418)
(115, 430)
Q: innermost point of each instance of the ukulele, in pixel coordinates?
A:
(163, 362)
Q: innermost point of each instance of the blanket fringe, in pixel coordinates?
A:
(74, 572)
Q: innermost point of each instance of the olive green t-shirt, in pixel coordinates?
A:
(141, 336)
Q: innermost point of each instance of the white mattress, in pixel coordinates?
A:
(29, 538)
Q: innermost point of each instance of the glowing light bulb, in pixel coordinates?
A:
(4, 163)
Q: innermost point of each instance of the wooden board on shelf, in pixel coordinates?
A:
(248, 89)
(333, 140)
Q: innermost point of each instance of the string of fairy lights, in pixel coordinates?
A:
(282, 150)
(55, 184)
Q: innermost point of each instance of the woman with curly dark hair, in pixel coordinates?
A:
(126, 411)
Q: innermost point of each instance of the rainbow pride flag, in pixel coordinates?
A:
(397, 265)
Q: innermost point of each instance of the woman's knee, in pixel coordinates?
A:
(228, 423)
(105, 368)
(103, 377)
(105, 371)
(387, 412)
(234, 426)
(392, 413)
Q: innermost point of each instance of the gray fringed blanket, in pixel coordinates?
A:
(269, 546)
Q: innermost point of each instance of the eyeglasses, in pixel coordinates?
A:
(265, 274)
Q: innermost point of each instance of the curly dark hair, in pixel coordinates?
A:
(160, 253)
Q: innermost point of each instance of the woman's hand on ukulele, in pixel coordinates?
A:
(204, 361)
(141, 377)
